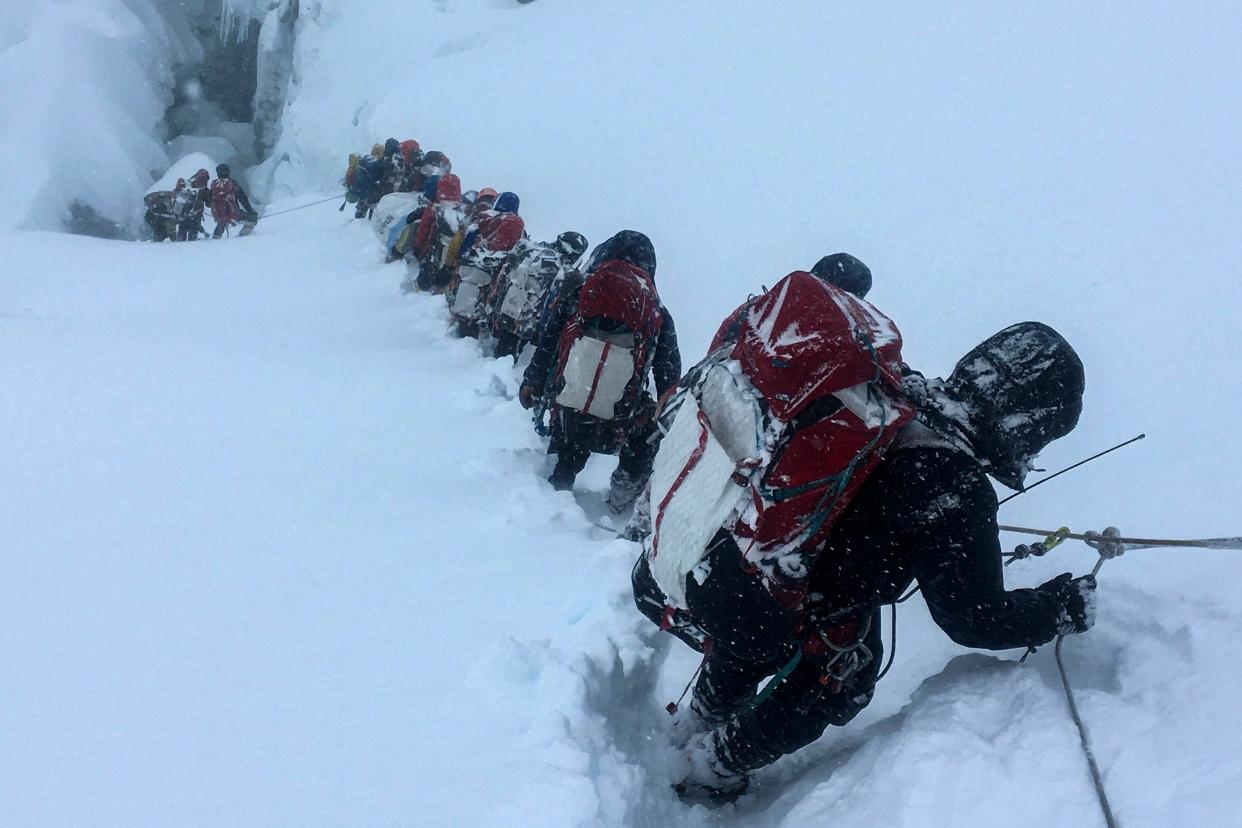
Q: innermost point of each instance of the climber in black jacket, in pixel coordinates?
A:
(927, 515)
(631, 433)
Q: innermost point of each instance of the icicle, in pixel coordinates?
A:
(237, 16)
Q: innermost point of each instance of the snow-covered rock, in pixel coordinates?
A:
(83, 88)
(184, 168)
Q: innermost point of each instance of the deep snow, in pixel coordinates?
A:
(280, 552)
(277, 551)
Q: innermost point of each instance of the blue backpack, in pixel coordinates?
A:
(365, 179)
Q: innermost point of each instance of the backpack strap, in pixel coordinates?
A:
(820, 409)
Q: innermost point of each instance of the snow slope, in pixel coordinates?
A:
(251, 572)
(278, 552)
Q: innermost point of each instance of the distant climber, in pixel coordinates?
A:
(839, 269)
(436, 233)
(161, 212)
(230, 204)
(191, 203)
(592, 365)
(514, 305)
(483, 250)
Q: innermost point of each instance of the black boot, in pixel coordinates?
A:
(562, 479)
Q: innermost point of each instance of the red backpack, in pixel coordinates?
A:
(604, 350)
(408, 148)
(224, 201)
(771, 435)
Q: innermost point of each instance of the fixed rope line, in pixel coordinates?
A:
(1234, 543)
(303, 207)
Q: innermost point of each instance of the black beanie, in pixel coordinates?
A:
(846, 272)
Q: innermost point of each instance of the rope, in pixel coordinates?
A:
(303, 207)
(1097, 779)
(771, 686)
(892, 645)
(1234, 543)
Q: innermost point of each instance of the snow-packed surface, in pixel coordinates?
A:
(277, 551)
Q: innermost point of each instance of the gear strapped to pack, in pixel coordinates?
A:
(605, 350)
(771, 435)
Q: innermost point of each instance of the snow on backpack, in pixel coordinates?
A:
(161, 203)
(473, 277)
(392, 211)
(771, 436)
(525, 285)
(224, 201)
(605, 346)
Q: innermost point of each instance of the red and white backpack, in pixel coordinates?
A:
(771, 435)
(605, 348)
(224, 201)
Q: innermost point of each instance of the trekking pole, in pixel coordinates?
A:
(1043, 480)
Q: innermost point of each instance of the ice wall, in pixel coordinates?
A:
(85, 85)
(99, 97)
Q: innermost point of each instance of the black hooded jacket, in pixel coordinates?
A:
(928, 514)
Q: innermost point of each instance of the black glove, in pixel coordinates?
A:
(526, 396)
(1077, 599)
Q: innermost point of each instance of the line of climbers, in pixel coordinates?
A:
(177, 214)
(791, 483)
